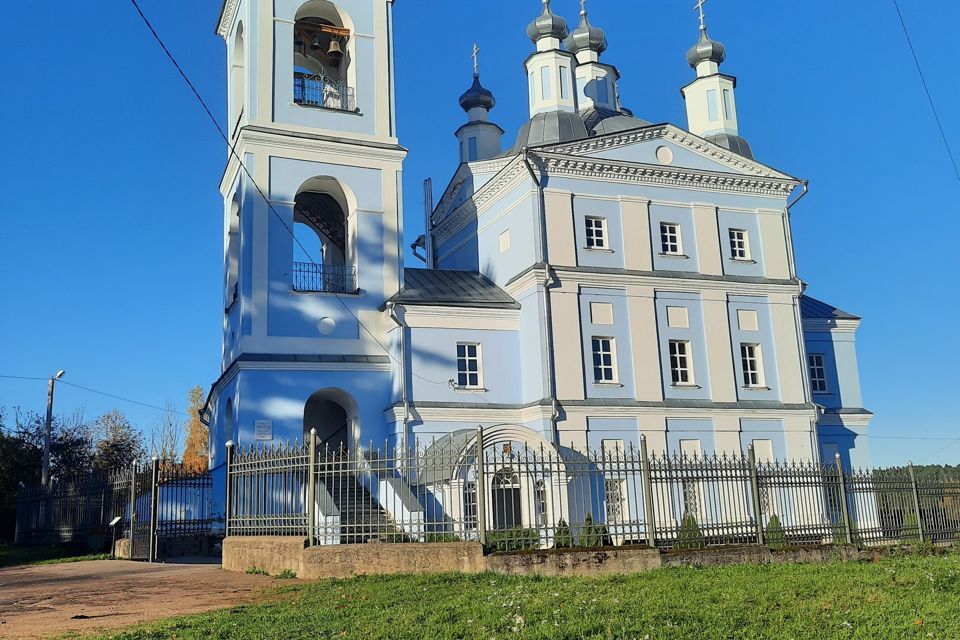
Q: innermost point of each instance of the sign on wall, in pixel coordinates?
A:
(263, 430)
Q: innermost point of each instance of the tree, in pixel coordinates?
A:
(196, 451)
(118, 443)
(166, 439)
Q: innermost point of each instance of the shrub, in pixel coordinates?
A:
(593, 534)
(689, 536)
(562, 538)
(516, 539)
(774, 536)
(286, 574)
(256, 571)
(439, 536)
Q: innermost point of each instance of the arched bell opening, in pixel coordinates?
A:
(323, 51)
(323, 257)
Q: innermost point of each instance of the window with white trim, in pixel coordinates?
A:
(670, 239)
(818, 373)
(751, 359)
(739, 244)
(604, 360)
(469, 374)
(596, 232)
(681, 369)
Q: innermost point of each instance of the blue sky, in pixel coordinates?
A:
(110, 248)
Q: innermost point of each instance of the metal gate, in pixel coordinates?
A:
(172, 506)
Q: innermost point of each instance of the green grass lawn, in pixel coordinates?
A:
(14, 556)
(905, 597)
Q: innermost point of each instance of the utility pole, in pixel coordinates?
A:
(45, 474)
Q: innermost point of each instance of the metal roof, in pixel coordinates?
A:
(813, 308)
(448, 288)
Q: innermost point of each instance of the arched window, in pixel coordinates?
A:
(322, 259)
(322, 56)
(507, 507)
(238, 78)
(233, 254)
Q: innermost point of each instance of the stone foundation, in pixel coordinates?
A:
(275, 555)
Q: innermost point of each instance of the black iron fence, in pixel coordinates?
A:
(164, 509)
(317, 90)
(324, 278)
(512, 496)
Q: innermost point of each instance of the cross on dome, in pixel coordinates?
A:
(698, 7)
(476, 59)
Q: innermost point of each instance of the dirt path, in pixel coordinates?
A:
(85, 597)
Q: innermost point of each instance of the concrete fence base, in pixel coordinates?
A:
(278, 554)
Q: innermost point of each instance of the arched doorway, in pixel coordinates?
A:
(332, 413)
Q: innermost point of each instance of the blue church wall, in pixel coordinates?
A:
(772, 430)
(612, 256)
(683, 429)
(682, 216)
(532, 383)
(751, 224)
(850, 442)
(762, 336)
(840, 364)
(694, 333)
(514, 213)
(285, 111)
(625, 430)
(620, 331)
(434, 357)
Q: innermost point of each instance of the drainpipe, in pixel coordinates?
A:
(548, 281)
(787, 231)
(392, 308)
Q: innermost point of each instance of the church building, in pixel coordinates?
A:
(588, 279)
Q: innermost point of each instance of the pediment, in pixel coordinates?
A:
(668, 146)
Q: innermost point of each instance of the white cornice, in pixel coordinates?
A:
(227, 14)
(676, 135)
(671, 282)
(845, 325)
(658, 175)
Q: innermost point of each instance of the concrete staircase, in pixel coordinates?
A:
(362, 519)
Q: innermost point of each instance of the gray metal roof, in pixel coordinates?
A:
(815, 309)
(732, 143)
(600, 120)
(706, 49)
(447, 288)
(550, 127)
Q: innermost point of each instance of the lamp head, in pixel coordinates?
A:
(59, 374)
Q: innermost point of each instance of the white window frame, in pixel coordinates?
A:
(818, 373)
(596, 232)
(751, 363)
(681, 363)
(463, 365)
(671, 240)
(739, 246)
(604, 346)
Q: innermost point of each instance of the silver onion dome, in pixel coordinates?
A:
(547, 25)
(706, 49)
(586, 37)
(477, 96)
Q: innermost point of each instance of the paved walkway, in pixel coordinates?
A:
(85, 597)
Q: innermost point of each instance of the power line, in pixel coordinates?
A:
(101, 393)
(926, 88)
(234, 154)
(22, 378)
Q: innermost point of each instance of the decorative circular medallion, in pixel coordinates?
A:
(326, 326)
(664, 155)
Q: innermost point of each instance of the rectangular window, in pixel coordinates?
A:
(468, 365)
(604, 367)
(670, 239)
(533, 89)
(680, 362)
(472, 146)
(603, 91)
(545, 90)
(564, 81)
(739, 244)
(728, 103)
(752, 362)
(596, 232)
(818, 373)
(712, 111)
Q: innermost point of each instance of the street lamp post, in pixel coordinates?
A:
(45, 475)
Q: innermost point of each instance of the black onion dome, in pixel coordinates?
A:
(547, 25)
(706, 49)
(586, 37)
(477, 96)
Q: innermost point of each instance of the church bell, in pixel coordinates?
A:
(336, 51)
